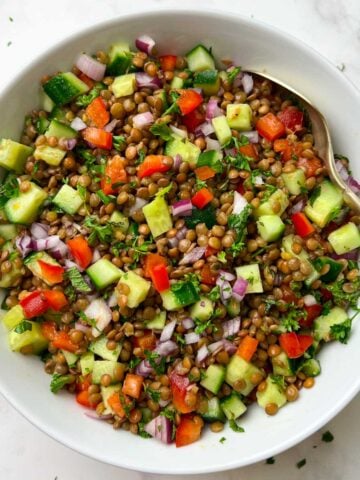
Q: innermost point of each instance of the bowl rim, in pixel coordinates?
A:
(287, 443)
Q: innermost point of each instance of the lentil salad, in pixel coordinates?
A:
(171, 263)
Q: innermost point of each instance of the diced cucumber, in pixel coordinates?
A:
(8, 279)
(51, 155)
(58, 113)
(120, 220)
(170, 302)
(233, 307)
(25, 207)
(45, 101)
(60, 130)
(29, 342)
(334, 268)
(324, 203)
(202, 310)
(189, 152)
(185, 293)
(124, 85)
(211, 158)
(157, 216)
(99, 347)
(273, 393)
(41, 125)
(270, 227)
(199, 59)
(251, 273)
(87, 360)
(208, 81)
(294, 181)
(8, 231)
(64, 87)
(239, 369)
(232, 406)
(120, 59)
(345, 238)
(68, 199)
(106, 393)
(311, 367)
(278, 198)
(103, 273)
(239, 116)
(139, 288)
(158, 322)
(13, 317)
(13, 155)
(177, 83)
(70, 358)
(103, 367)
(214, 411)
(286, 244)
(214, 378)
(222, 129)
(32, 263)
(281, 365)
(323, 324)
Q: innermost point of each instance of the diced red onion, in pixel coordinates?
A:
(212, 109)
(342, 170)
(60, 250)
(166, 348)
(258, 180)
(139, 203)
(143, 119)
(226, 275)
(240, 203)
(205, 129)
(95, 416)
(99, 311)
(46, 243)
(96, 256)
(144, 43)
(239, 289)
(216, 347)
(202, 353)
(212, 144)
(193, 256)
(231, 327)
(229, 347)
(191, 338)
(143, 80)
(160, 428)
(353, 184)
(278, 279)
(181, 234)
(167, 332)
(182, 208)
(299, 206)
(178, 131)
(353, 255)
(111, 125)
(39, 230)
(144, 369)
(188, 323)
(91, 67)
(70, 264)
(309, 300)
(24, 244)
(173, 242)
(164, 403)
(177, 162)
(252, 136)
(71, 143)
(77, 124)
(80, 326)
(225, 289)
(247, 82)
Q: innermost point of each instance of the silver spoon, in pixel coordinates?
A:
(322, 139)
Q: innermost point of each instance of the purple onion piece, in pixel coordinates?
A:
(202, 354)
(247, 82)
(91, 67)
(188, 323)
(231, 327)
(167, 332)
(39, 230)
(193, 256)
(166, 348)
(226, 275)
(95, 416)
(110, 127)
(191, 338)
(173, 242)
(144, 80)
(144, 43)
(24, 244)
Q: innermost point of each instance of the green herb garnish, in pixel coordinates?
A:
(87, 98)
(59, 381)
(235, 427)
(9, 189)
(162, 130)
(23, 326)
(77, 280)
(341, 331)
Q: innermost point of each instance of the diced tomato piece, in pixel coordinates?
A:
(205, 172)
(160, 278)
(52, 273)
(117, 401)
(289, 151)
(202, 198)
(59, 339)
(305, 342)
(310, 165)
(97, 112)
(207, 275)
(188, 101)
(270, 127)
(34, 304)
(193, 119)
(83, 383)
(132, 385)
(153, 164)
(55, 299)
(168, 62)
(249, 150)
(83, 399)
(98, 137)
(210, 251)
(188, 430)
(292, 118)
(178, 386)
(80, 250)
(312, 312)
(151, 260)
(48, 329)
(84, 78)
(326, 294)
(247, 348)
(295, 345)
(302, 225)
(146, 342)
(240, 187)
(115, 175)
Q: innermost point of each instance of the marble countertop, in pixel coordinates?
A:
(29, 27)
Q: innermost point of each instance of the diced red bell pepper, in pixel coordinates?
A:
(295, 345)
(188, 101)
(115, 175)
(52, 273)
(60, 339)
(193, 119)
(160, 278)
(312, 312)
(210, 251)
(56, 299)
(117, 401)
(292, 118)
(240, 187)
(302, 225)
(132, 385)
(188, 430)
(81, 251)
(168, 62)
(146, 342)
(82, 383)
(178, 385)
(98, 137)
(207, 275)
(83, 399)
(289, 151)
(270, 127)
(97, 112)
(153, 164)
(249, 150)
(151, 260)
(202, 198)
(247, 348)
(309, 165)
(84, 78)
(204, 173)
(34, 304)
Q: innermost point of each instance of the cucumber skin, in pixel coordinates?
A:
(24, 208)
(63, 88)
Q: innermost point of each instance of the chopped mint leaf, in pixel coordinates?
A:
(23, 326)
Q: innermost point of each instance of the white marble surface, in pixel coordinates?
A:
(28, 27)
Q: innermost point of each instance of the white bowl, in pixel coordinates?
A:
(252, 45)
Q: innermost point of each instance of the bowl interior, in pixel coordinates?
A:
(255, 46)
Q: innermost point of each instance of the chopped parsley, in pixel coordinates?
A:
(290, 320)
(141, 430)
(327, 437)
(134, 362)
(119, 141)
(202, 326)
(156, 361)
(269, 190)
(341, 331)
(302, 463)
(344, 299)
(270, 461)
(199, 184)
(279, 381)
(59, 381)
(222, 256)
(238, 222)
(103, 233)
(23, 326)
(222, 440)
(106, 199)
(174, 107)
(214, 294)
(235, 427)
(9, 189)
(162, 130)
(87, 98)
(239, 160)
(153, 394)
(233, 74)
(77, 280)
(315, 194)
